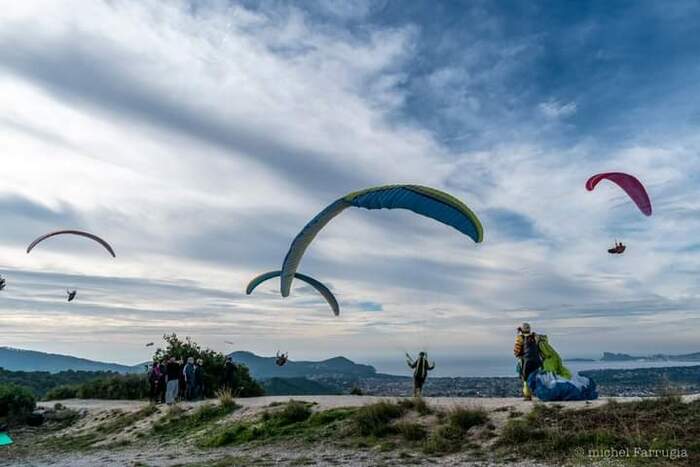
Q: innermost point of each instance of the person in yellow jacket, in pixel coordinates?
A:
(527, 350)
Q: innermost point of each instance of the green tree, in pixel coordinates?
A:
(213, 365)
(16, 402)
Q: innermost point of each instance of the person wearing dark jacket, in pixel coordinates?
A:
(172, 374)
(527, 350)
(420, 367)
(229, 375)
(199, 380)
(188, 373)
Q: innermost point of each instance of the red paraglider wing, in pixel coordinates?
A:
(630, 184)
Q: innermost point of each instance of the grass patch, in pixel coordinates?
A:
(295, 420)
(452, 436)
(464, 419)
(375, 419)
(411, 431)
(177, 422)
(418, 404)
(553, 433)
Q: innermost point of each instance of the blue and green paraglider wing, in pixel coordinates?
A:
(426, 201)
(322, 289)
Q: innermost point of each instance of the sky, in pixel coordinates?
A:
(198, 138)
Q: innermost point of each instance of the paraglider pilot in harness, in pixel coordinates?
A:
(281, 359)
(71, 294)
(618, 249)
(420, 367)
(527, 350)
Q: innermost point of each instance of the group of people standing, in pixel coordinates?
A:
(171, 381)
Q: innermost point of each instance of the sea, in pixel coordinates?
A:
(493, 367)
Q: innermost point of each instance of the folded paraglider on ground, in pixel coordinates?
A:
(554, 382)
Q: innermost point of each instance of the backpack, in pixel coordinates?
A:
(531, 348)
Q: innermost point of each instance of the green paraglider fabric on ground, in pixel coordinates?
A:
(5, 439)
(551, 361)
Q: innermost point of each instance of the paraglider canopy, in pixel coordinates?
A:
(94, 237)
(150, 344)
(2, 283)
(422, 200)
(322, 289)
(633, 187)
(618, 249)
(71, 294)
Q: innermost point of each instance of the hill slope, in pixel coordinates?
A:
(31, 360)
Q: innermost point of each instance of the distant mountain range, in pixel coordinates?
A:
(264, 367)
(623, 357)
(260, 367)
(30, 360)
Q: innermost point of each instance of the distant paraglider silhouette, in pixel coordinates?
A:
(281, 359)
(3, 283)
(94, 237)
(71, 294)
(150, 344)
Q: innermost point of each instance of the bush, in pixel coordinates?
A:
(293, 412)
(464, 419)
(128, 387)
(374, 419)
(417, 404)
(411, 431)
(355, 391)
(16, 402)
(62, 392)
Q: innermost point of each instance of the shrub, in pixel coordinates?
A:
(411, 431)
(62, 392)
(417, 404)
(355, 391)
(374, 419)
(225, 396)
(293, 412)
(464, 419)
(16, 402)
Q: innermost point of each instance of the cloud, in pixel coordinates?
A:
(200, 138)
(555, 110)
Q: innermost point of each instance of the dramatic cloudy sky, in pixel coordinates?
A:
(198, 137)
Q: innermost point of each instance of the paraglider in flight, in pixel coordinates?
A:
(150, 344)
(629, 184)
(94, 237)
(322, 289)
(422, 200)
(281, 359)
(618, 249)
(71, 294)
(3, 283)
(230, 342)
(634, 189)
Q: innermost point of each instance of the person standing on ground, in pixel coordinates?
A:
(199, 380)
(162, 381)
(173, 374)
(188, 373)
(229, 376)
(153, 379)
(421, 367)
(527, 350)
